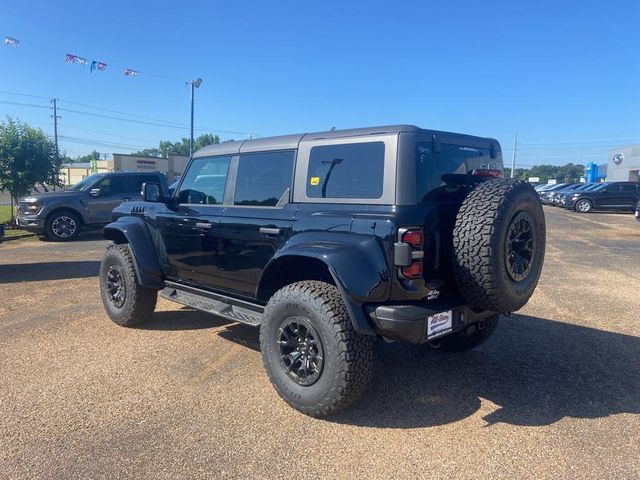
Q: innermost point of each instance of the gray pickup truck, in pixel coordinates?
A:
(60, 215)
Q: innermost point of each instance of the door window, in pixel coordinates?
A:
(205, 181)
(134, 182)
(628, 188)
(113, 185)
(264, 179)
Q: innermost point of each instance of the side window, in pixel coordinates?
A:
(204, 181)
(134, 182)
(628, 188)
(613, 188)
(113, 185)
(354, 170)
(264, 179)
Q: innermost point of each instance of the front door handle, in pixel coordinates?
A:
(270, 231)
(204, 225)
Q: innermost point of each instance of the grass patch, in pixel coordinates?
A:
(16, 232)
(5, 213)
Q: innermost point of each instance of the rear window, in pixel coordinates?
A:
(354, 170)
(430, 165)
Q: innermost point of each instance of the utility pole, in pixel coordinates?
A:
(55, 135)
(513, 160)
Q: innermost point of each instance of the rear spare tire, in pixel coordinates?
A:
(498, 245)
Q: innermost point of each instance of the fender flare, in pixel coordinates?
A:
(357, 264)
(134, 231)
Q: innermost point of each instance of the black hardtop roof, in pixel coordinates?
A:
(287, 142)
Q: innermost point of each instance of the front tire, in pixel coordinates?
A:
(63, 226)
(315, 360)
(127, 302)
(471, 337)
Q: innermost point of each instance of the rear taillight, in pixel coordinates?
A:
(483, 172)
(409, 253)
(413, 238)
(413, 271)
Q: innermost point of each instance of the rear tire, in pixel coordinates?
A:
(315, 360)
(471, 337)
(498, 245)
(63, 226)
(583, 206)
(127, 302)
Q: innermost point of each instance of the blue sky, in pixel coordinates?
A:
(565, 75)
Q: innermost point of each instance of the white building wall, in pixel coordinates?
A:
(629, 167)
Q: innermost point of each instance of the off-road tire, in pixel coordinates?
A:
(347, 356)
(59, 215)
(139, 302)
(484, 221)
(471, 337)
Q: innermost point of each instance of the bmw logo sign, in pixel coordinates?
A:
(617, 158)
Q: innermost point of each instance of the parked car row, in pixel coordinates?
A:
(586, 197)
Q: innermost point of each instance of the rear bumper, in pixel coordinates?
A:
(31, 224)
(410, 322)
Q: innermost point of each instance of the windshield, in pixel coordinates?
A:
(599, 187)
(86, 182)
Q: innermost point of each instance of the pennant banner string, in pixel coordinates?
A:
(72, 58)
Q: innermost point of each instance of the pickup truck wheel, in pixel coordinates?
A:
(471, 337)
(127, 302)
(63, 226)
(315, 360)
(498, 245)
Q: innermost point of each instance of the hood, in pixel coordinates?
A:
(50, 195)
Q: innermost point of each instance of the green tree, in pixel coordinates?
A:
(181, 147)
(27, 158)
(95, 155)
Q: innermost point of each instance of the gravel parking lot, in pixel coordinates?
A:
(554, 394)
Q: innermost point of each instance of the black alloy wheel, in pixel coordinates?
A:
(519, 246)
(116, 286)
(301, 352)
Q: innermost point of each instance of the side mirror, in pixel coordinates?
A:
(94, 192)
(151, 192)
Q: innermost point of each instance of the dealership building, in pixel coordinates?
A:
(624, 164)
(172, 166)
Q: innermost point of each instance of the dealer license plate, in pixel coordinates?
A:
(439, 324)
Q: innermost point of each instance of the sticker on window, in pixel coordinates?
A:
(315, 181)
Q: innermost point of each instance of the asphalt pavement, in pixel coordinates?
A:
(554, 394)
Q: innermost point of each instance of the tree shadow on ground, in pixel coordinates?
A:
(42, 271)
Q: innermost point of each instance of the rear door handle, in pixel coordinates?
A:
(270, 231)
(204, 225)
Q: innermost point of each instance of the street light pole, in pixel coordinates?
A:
(194, 84)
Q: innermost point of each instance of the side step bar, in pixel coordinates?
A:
(227, 307)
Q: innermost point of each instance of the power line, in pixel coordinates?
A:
(154, 121)
(6, 102)
(69, 137)
(99, 132)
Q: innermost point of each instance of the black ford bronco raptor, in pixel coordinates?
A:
(329, 240)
